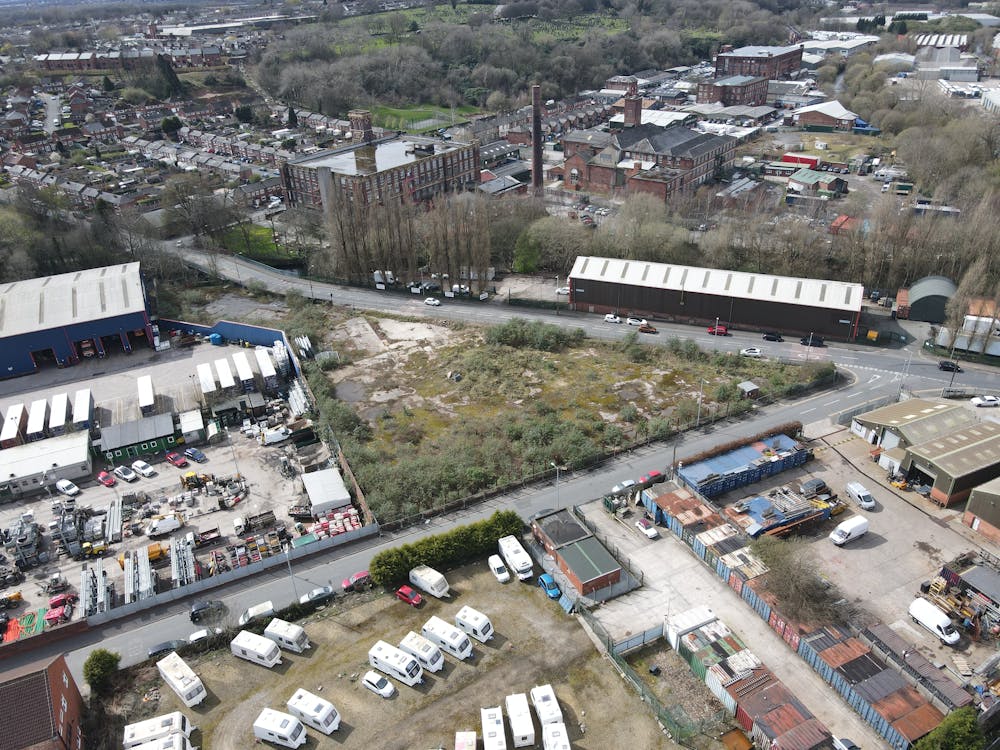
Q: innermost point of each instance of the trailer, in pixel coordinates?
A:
(157, 728)
(269, 377)
(543, 698)
(14, 423)
(396, 663)
(252, 523)
(522, 728)
(425, 652)
(255, 648)
(226, 381)
(475, 623)
(279, 728)
(206, 380)
(83, 409)
(516, 558)
(494, 737)
(147, 396)
(181, 679)
(555, 737)
(314, 711)
(287, 635)
(38, 417)
(173, 742)
(58, 414)
(243, 372)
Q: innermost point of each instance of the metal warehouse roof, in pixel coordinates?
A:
(991, 488)
(932, 286)
(54, 301)
(133, 433)
(964, 451)
(588, 559)
(918, 420)
(830, 295)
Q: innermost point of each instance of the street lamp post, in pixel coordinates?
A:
(809, 346)
(288, 562)
(701, 390)
(558, 469)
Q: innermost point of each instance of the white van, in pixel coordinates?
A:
(279, 728)
(157, 728)
(543, 698)
(287, 635)
(256, 648)
(857, 492)
(264, 609)
(853, 528)
(475, 623)
(522, 728)
(421, 649)
(448, 637)
(936, 621)
(314, 711)
(395, 663)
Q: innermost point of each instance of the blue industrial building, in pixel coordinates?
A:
(743, 466)
(58, 320)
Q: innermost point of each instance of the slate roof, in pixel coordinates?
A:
(27, 718)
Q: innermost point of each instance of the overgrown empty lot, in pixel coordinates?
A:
(536, 643)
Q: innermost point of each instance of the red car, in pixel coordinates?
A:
(357, 582)
(408, 595)
(61, 600)
(176, 459)
(106, 478)
(718, 331)
(653, 477)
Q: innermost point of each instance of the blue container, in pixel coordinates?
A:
(216, 339)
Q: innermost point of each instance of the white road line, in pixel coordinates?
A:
(806, 411)
(831, 403)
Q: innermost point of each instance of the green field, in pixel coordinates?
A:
(254, 242)
(419, 117)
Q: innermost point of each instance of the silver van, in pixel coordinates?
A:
(857, 492)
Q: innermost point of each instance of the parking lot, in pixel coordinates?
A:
(113, 384)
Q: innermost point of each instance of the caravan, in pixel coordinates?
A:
(181, 679)
(494, 737)
(543, 698)
(516, 558)
(157, 728)
(395, 663)
(448, 637)
(555, 737)
(173, 742)
(256, 648)
(287, 635)
(279, 728)
(425, 652)
(522, 728)
(314, 711)
(475, 623)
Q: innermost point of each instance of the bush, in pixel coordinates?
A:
(443, 551)
(520, 334)
(100, 668)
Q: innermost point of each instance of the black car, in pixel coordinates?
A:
(161, 649)
(771, 336)
(948, 366)
(812, 341)
(203, 610)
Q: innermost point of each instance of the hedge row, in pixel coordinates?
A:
(443, 551)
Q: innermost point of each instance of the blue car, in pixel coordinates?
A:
(196, 455)
(548, 585)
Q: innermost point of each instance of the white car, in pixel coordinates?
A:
(378, 684)
(986, 401)
(433, 302)
(498, 569)
(622, 486)
(612, 318)
(199, 635)
(636, 321)
(141, 467)
(126, 474)
(648, 528)
(751, 351)
(67, 488)
(562, 290)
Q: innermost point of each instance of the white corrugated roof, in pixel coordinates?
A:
(54, 301)
(832, 108)
(831, 295)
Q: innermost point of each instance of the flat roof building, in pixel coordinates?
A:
(33, 467)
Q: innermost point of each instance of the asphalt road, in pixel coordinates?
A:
(876, 374)
(53, 111)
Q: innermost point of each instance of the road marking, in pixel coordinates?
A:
(831, 403)
(806, 411)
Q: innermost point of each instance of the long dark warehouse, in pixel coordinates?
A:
(684, 294)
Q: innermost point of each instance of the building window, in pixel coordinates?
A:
(170, 440)
(118, 453)
(145, 446)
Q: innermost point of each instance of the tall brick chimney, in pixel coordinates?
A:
(633, 104)
(361, 126)
(536, 140)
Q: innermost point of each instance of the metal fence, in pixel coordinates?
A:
(639, 639)
(844, 417)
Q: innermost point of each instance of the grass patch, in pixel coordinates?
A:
(405, 118)
(255, 242)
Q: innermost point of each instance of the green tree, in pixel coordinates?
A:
(100, 668)
(244, 113)
(958, 731)
(170, 125)
(107, 84)
(293, 119)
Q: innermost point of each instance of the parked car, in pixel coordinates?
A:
(67, 488)
(126, 474)
(378, 684)
(176, 459)
(433, 302)
(812, 341)
(141, 467)
(772, 336)
(165, 648)
(408, 595)
(986, 401)
(322, 595)
(357, 582)
(195, 455)
(612, 318)
(647, 328)
(718, 330)
(648, 528)
(623, 486)
(948, 366)
(636, 321)
(206, 609)
(498, 569)
(562, 290)
(751, 351)
(200, 635)
(548, 584)
(106, 478)
(652, 477)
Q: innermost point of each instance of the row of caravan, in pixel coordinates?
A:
(264, 649)
(170, 732)
(288, 729)
(522, 726)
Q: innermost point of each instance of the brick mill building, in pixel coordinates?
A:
(371, 169)
(773, 63)
(732, 91)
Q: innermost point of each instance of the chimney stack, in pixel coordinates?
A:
(536, 140)
(633, 104)
(361, 126)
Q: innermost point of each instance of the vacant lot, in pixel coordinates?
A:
(536, 643)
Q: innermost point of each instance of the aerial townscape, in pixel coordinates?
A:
(548, 374)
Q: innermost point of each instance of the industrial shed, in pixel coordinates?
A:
(55, 321)
(982, 514)
(33, 467)
(910, 422)
(587, 565)
(926, 299)
(141, 436)
(956, 462)
(737, 299)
